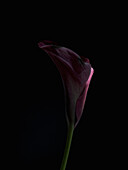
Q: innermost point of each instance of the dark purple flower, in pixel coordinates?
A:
(76, 73)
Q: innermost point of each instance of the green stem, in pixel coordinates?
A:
(67, 147)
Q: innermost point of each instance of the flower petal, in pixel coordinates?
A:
(64, 57)
(81, 100)
(76, 73)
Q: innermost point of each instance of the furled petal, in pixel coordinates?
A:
(76, 73)
(81, 100)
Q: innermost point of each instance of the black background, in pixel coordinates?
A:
(33, 122)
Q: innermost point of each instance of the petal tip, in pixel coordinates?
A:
(40, 44)
(46, 43)
(86, 60)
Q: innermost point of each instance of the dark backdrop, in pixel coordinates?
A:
(33, 122)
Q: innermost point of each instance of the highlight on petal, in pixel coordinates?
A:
(76, 73)
(81, 100)
(45, 43)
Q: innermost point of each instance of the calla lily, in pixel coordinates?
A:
(76, 73)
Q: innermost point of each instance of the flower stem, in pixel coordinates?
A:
(67, 147)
